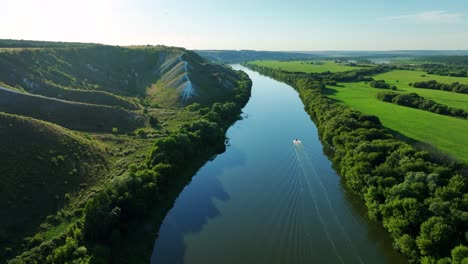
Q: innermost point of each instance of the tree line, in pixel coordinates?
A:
(414, 100)
(434, 85)
(421, 202)
(456, 68)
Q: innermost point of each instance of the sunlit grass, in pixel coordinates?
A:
(448, 134)
(305, 66)
(401, 79)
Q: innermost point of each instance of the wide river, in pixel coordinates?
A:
(268, 200)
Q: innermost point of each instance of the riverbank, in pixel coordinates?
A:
(402, 187)
(268, 200)
(116, 211)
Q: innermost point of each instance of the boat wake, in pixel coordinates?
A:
(321, 206)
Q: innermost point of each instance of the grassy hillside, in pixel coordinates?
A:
(187, 78)
(41, 163)
(72, 115)
(115, 97)
(115, 76)
(77, 95)
(306, 66)
(15, 43)
(443, 132)
(117, 70)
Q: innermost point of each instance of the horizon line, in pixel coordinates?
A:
(241, 49)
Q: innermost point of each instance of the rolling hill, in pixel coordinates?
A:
(41, 163)
(75, 116)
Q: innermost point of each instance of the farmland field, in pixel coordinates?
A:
(305, 66)
(401, 79)
(448, 134)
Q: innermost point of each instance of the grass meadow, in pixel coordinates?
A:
(401, 79)
(305, 66)
(448, 134)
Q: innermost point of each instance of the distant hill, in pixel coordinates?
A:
(16, 43)
(234, 56)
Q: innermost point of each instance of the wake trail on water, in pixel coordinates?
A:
(304, 162)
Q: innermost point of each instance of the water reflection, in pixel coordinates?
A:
(267, 200)
(195, 207)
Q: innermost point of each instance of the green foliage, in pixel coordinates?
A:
(305, 66)
(422, 203)
(78, 116)
(435, 236)
(415, 101)
(230, 56)
(445, 133)
(405, 80)
(433, 84)
(381, 84)
(460, 255)
(446, 65)
(14, 43)
(407, 245)
(64, 177)
(37, 158)
(133, 196)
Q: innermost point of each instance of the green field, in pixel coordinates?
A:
(305, 66)
(401, 79)
(447, 134)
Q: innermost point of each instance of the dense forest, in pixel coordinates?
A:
(451, 65)
(422, 202)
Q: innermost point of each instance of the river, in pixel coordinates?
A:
(268, 200)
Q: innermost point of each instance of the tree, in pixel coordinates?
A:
(407, 246)
(460, 255)
(434, 237)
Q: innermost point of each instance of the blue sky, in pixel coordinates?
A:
(244, 24)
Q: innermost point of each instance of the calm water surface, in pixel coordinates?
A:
(267, 200)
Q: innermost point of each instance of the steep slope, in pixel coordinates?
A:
(107, 93)
(117, 76)
(41, 162)
(187, 78)
(121, 71)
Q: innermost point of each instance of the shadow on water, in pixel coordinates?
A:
(375, 230)
(194, 207)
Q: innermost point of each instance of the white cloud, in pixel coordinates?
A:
(429, 17)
